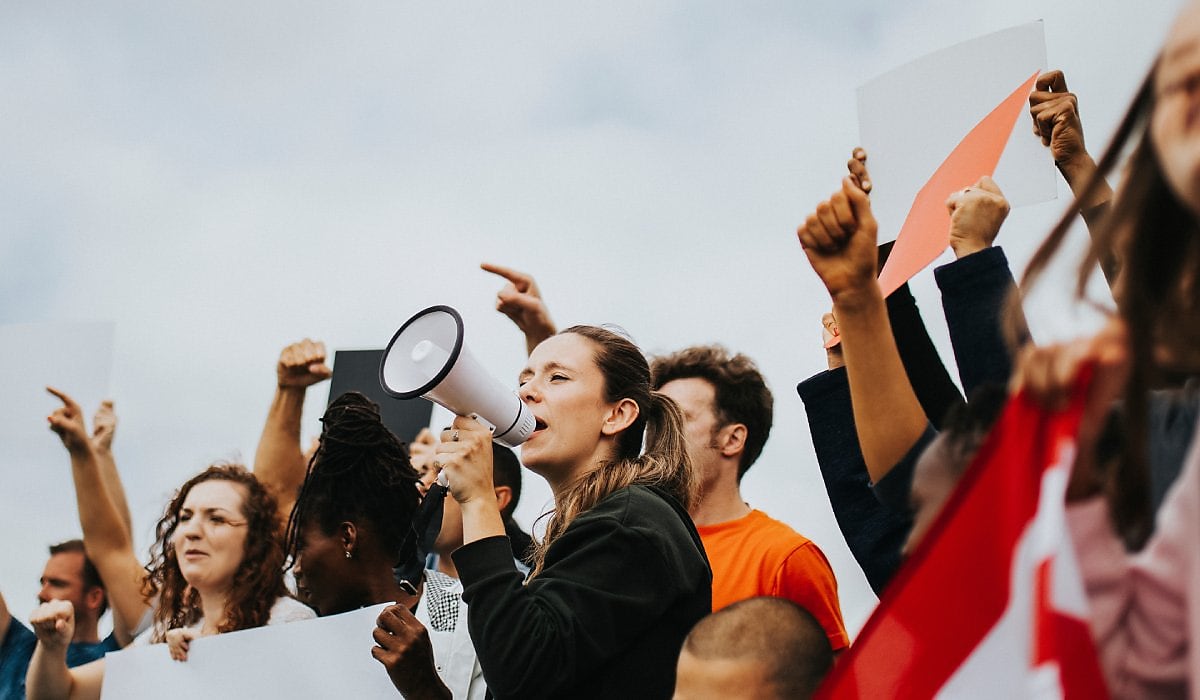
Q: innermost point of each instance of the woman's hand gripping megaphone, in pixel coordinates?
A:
(464, 456)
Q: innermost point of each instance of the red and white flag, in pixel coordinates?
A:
(991, 603)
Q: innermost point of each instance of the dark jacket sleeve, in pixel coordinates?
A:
(606, 580)
(974, 292)
(873, 532)
(894, 488)
(1171, 425)
(930, 381)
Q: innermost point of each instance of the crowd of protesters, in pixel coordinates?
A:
(651, 576)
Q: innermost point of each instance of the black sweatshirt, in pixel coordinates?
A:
(621, 588)
(974, 289)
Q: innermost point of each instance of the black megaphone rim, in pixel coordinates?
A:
(449, 365)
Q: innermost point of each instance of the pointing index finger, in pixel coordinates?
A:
(520, 280)
(67, 400)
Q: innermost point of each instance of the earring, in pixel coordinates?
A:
(348, 555)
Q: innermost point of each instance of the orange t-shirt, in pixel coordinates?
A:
(757, 555)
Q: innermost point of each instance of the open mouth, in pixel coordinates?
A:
(538, 426)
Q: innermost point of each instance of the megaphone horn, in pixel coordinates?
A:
(428, 357)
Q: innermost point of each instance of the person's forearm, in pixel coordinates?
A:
(108, 543)
(426, 688)
(48, 677)
(481, 518)
(1078, 173)
(279, 462)
(112, 483)
(887, 415)
(103, 527)
(5, 618)
(534, 337)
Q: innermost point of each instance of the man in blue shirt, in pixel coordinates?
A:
(68, 576)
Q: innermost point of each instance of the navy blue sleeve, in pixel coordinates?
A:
(1171, 425)
(874, 533)
(927, 374)
(974, 292)
(894, 488)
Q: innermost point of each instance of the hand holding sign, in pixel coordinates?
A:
(1055, 112)
(976, 213)
(404, 649)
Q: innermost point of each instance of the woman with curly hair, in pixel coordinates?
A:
(218, 560)
(216, 567)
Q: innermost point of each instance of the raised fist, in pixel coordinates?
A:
(302, 364)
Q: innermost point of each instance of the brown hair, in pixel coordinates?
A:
(91, 577)
(258, 582)
(665, 462)
(740, 392)
(1149, 244)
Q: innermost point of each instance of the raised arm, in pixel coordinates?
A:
(1055, 113)
(521, 301)
(873, 531)
(279, 463)
(106, 537)
(48, 677)
(104, 428)
(927, 373)
(5, 617)
(977, 286)
(839, 240)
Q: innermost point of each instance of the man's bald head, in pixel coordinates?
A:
(761, 648)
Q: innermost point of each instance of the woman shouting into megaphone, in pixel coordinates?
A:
(620, 576)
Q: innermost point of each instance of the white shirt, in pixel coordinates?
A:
(283, 611)
(444, 614)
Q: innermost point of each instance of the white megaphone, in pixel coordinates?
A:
(428, 358)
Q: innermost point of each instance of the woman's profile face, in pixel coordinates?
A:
(564, 389)
(1175, 124)
(210, 537)
(323, 578)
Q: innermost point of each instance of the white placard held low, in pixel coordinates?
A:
(328, 657)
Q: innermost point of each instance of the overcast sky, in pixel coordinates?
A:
(220, 179)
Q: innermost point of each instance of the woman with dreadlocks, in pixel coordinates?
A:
(351, 528)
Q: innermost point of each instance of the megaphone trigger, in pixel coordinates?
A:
(489, 426)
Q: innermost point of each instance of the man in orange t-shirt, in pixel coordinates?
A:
(728, 410)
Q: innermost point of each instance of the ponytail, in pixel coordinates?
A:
(666, 449)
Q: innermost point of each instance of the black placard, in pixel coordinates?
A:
(358, 370)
